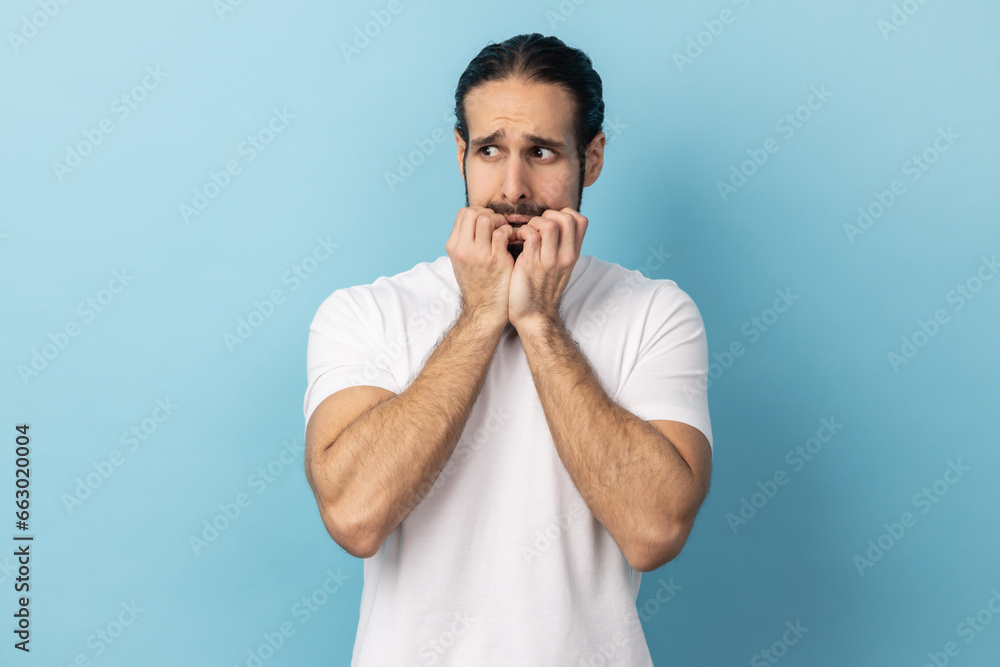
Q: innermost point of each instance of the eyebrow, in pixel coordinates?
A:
(533, 138)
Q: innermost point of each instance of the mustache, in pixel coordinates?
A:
(535, 210)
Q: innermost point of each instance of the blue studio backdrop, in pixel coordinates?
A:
(183, 184)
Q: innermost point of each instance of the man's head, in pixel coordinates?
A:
(529, 113)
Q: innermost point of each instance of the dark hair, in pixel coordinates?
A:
(535, 58)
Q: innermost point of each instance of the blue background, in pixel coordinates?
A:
(677, 129)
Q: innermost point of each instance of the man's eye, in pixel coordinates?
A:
(546, 152)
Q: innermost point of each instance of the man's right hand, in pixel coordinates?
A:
(478, 251)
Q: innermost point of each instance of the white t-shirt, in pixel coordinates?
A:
(502, 562)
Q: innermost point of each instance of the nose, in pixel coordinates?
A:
(515, 181)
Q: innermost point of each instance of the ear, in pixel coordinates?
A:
(595, 159)
(461, 153)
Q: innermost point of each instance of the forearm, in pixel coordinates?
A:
(631, 477)
(385, 462)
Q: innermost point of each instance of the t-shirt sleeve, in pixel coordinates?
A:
(670, 376)
(342, 352)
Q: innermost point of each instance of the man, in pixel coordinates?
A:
(511, 434)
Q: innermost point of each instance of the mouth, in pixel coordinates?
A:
(516, 221)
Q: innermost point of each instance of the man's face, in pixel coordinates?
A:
(522, 156)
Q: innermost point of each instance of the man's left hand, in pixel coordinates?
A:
(552, 243)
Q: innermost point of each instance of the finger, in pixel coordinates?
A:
(580, 228)
(532, 241)
(565, 252)
(484, 231)
(501, 237)
(466, 226)
(456, 230)
(534, 223)
(496, 221)
(549, 230)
